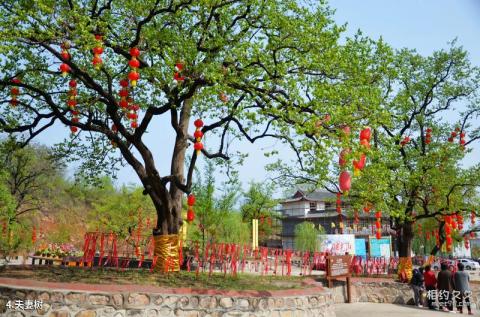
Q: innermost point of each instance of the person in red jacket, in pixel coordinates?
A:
(430, 285)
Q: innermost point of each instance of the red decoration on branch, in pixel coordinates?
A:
(378, 224)
(97, 52)
(72, 104)
(345, 181)
(428, 136)
(15, 91)
(198, 135)
(190, 203)
(177, 75)
(134, 76)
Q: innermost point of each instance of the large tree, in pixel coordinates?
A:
(417, 173)
(276, 66)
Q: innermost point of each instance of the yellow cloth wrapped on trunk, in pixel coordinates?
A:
(166, 248)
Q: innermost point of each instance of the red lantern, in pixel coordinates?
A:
(365, 134)
(177, 77)
(114, 128)
(223, 97)
(198, 123)
(198, 146)
(133, 76)
(190, 215)
(345, 181)
(360, 164)
(198, 135)
(134, 124)
(178, 67)
(365, 143)
(134, 63)
(191, 200)
(73, 129)
(65, 69)
(472, 235)
(379, 235)
(378, 224)
(462, 141)
(124, 83)
(450, 139)
(448, 229)
(134, 52)
(342, 157)
(449, 240)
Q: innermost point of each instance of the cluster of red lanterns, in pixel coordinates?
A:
(190, 203)
(97, 52)
(454, 134)
(132, 115)
(459, 221)
(448, 232)
(134, 64)
(123, 93)
(64, 68)
(72, 103)
(428, 136)
(15, 91)
(177, 75)
(367, 208)
(405, 141)
(378, 224)
(198, 135)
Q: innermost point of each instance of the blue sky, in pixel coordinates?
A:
(425, 25)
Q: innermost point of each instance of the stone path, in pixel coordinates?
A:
(390, 310)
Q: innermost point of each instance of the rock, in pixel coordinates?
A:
(56, 297)
(287, 313)
(158, 300)
(290, 302)
(243, 303)
(20, 295)
(170, 301)
(15, 314)
(117, 299)
(60, 313)
(44, 297)
(86, 313)
(152, 313)
(138, 300)
(119, 314)
(226, 302)
(98, 299)
(44, 309)
(208, 302)
(235, 314)
(135, 313)
(75, 298)
(3, 305)
(183, 302)
(165, 311)
(186, 313)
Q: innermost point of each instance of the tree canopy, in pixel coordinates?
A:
(249, 69)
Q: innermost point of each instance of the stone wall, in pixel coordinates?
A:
(101, 304)
(384, 292)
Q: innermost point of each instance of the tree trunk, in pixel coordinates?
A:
(405, 239)
(168, 202)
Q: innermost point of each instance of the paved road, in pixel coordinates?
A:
(390, 310)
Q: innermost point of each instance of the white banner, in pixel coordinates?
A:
(337, 244)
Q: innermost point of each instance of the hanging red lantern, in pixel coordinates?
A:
(448, 229)
(378, 224)
(177, 75)
(133, 76)
(191, 200)
(365, 134)
(64, 53)
(190, 215)
(405, 141)
(223, 97)
(134, 124)
(198, 123)
(73, 129)
(97, 51)
(360, 164)
(15, 91)
(367, 207)
(65, 69)
(472, 235)
(345, 181)
(342, 161)
(365, 144)
(198, 146)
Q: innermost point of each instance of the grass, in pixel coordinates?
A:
(144, 277)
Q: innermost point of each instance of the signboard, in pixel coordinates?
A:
(338, 266)
(337, 244)
(380, 247)
(360, 248)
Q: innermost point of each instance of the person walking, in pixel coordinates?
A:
(461, 284)
(417, 285)
(430, 285)
(445, 288)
